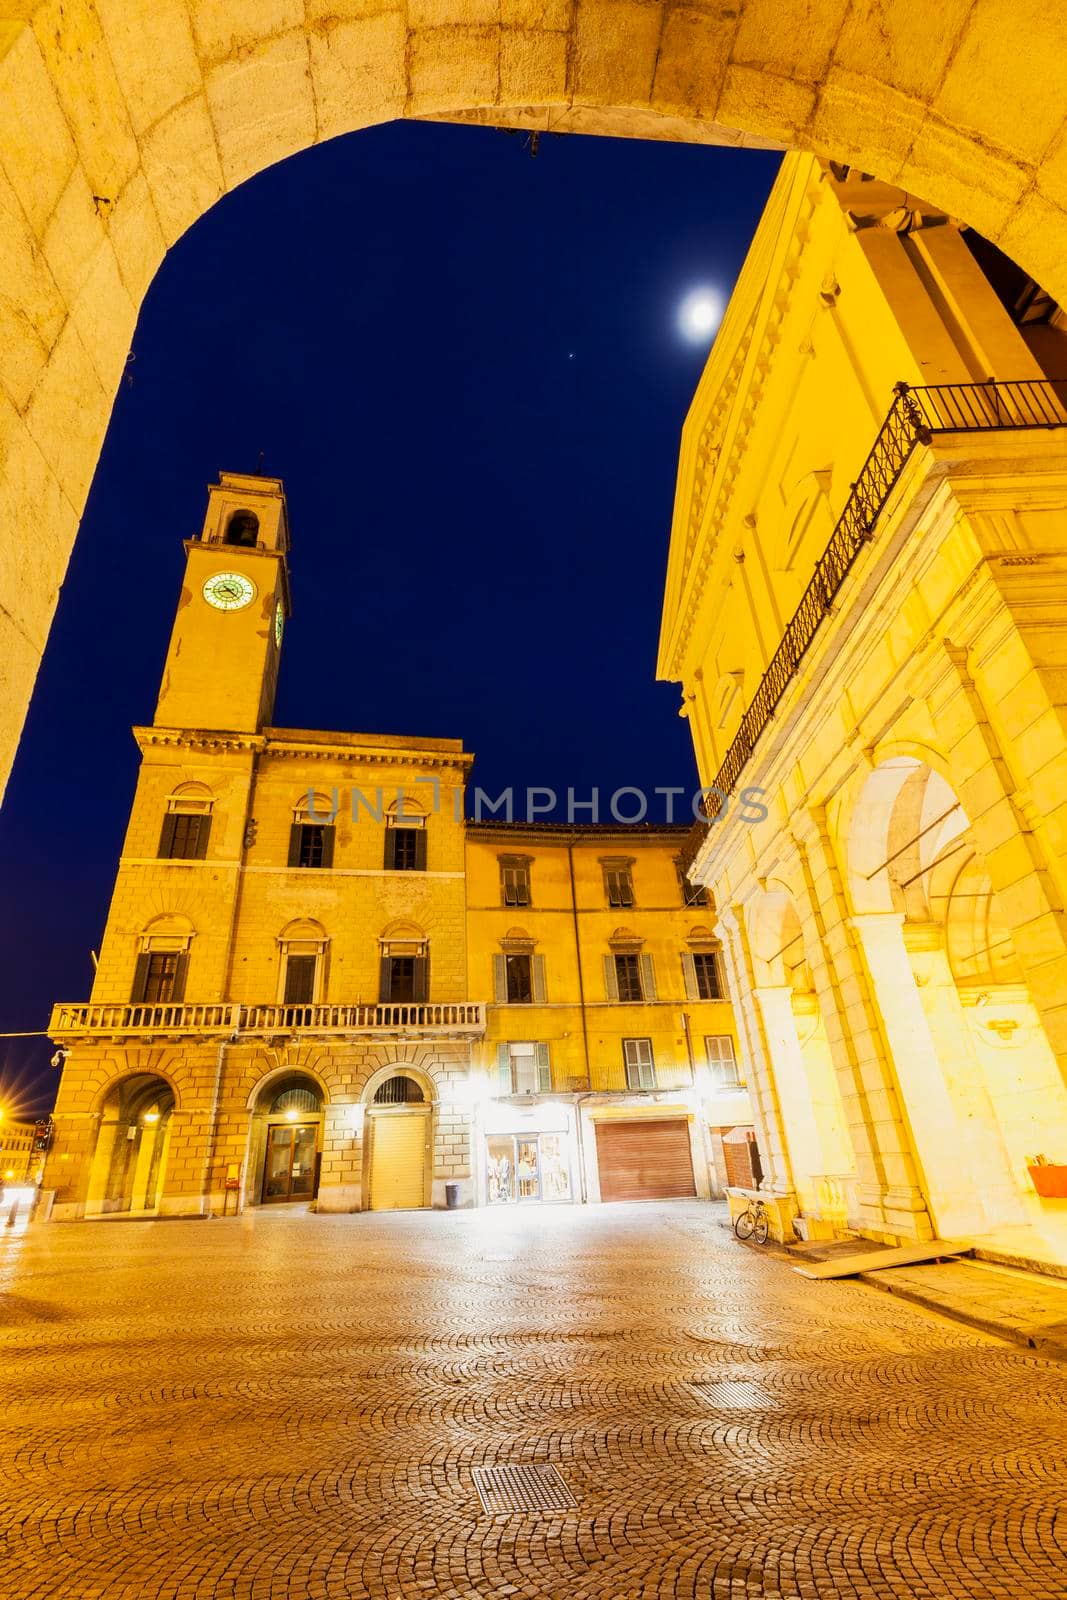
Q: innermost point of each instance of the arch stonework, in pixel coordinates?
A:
(121, 124)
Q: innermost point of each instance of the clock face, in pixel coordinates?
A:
(229, 591)
(279, 624)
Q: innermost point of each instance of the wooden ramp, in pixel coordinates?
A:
(908, 1255)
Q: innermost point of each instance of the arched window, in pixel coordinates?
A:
(187, 823)
(162, 961)
(399, 1091)
(243, 529)
(295, 1101)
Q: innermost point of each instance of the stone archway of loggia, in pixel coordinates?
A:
(122, 121)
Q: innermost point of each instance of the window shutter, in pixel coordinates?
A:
(327, 844)
(166, 838)
(544, 1069)
(294, 844)
(181, 967)
(203, 834)
(140, 978)
(385, 976)
(421, 980)
(689, 968)
(611, 978)
(539, 980)
(420, 849)
(500, 980)
(648, 978)
(503, 1068)
(720, 973)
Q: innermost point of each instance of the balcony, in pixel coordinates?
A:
(425, 1020)
(916, 417)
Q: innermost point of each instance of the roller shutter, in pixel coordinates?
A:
(647, 1160)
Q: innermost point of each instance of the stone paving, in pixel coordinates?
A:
(291, 1407)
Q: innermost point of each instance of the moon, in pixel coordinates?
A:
(699, 314)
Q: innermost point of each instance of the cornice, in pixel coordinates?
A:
(710, 465)
(197, 739)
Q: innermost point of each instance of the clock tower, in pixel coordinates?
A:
(222, 662)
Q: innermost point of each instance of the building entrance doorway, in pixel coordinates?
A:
(130, 1163)
(289, 1168)
(285, 1141)
(400, 1134)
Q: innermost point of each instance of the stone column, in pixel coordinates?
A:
(889, 1194)
(794, 1097)
(931, 1113)
(763, 1093)
(998, 1187)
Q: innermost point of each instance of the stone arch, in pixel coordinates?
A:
(135, 1070)
(400, 1069)
(938, 949)
(267, 1081)
(285, 1142)
(128, 1169)
(776, 939)
(117, 137)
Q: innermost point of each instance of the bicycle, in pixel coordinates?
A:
(753, 1223)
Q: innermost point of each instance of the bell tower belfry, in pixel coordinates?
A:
(221, 670)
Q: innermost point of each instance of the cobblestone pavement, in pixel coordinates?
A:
(292, 1408)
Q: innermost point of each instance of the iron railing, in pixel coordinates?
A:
(423, 1018)
(914, 417)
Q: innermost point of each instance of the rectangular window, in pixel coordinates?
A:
(405, 849)
(160, 977)
(722, 1063)
(640, 1067)
(706, 972)
(300, 980)
(404, 979)
(693, 894)
(523, 1068)
(619, 886)
(519, 974)
(515, 883)
(311, 844)
(628, 977)
(185, 836)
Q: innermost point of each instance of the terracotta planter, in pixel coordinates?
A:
(1050, 1182)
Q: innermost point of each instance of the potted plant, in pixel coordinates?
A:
(1050, 1179)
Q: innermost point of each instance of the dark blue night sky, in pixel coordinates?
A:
(464, 364)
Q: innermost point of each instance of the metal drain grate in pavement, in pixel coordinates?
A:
(527, 1487)
(733, 1395)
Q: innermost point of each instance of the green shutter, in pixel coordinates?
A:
(503, 1068)
(611, 978)
(500, 980)
(648, 978)
(421, 979)
(327, 845)
(544, 1069)
(385, 980)
(539, 980)
(203, 834)
(420, 849)
(181, 968)
(166, 838)
(689, 969)
(140, 978)
(294, 844)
